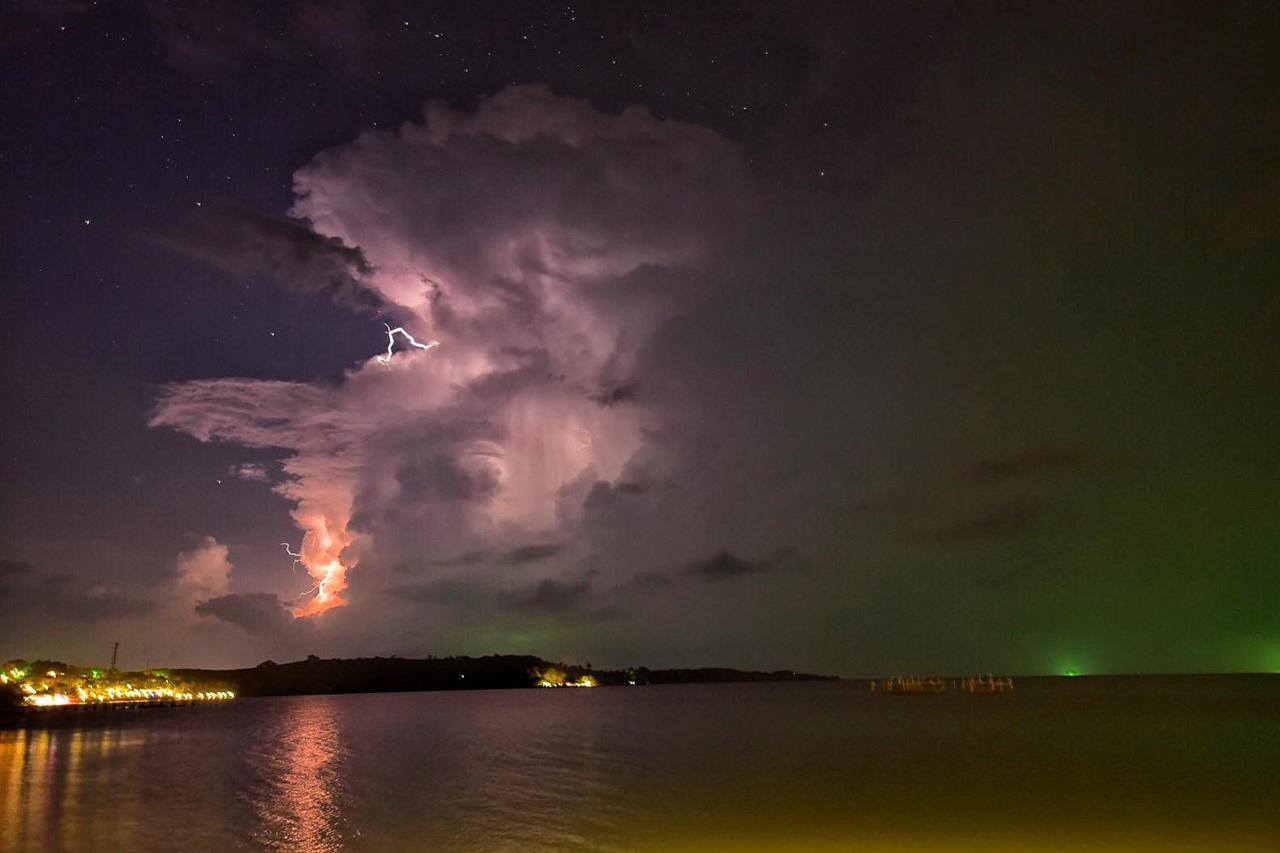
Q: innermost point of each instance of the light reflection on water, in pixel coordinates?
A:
(1142, 766)
(299, 778)
(46, 776)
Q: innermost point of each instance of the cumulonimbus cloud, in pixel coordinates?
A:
(542, 243)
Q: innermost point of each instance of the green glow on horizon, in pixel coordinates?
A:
(1070, 663)
(1271, 658)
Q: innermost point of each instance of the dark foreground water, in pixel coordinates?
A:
(1123, 764)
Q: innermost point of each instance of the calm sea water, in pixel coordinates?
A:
(1126, 764)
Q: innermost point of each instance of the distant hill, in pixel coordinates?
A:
(379, 675)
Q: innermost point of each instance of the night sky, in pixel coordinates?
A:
(854, 338)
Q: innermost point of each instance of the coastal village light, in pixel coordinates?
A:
(76, 686)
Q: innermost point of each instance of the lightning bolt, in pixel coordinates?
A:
(297, 558)
(334, 575)
(391, 343)
(318, 553)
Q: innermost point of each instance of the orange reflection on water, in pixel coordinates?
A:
(70, 796)
(44, 783)
(13, 759)
(299, 807)
(31, 795)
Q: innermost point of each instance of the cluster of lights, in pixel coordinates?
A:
(90, 687)
(552, 677)
(13, 674)
(128, 693)
(584, 681)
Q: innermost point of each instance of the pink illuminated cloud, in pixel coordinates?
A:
(542, 243)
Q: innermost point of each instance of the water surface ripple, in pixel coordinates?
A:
(1114, 764)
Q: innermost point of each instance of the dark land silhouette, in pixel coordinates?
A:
(393, 674)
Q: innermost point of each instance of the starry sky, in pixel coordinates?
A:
(854, 338)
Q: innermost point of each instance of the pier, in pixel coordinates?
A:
(917, 685)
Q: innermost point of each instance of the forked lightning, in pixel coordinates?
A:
(391, 343)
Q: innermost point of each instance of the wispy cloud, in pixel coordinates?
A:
(725, 565)
(1045, 459)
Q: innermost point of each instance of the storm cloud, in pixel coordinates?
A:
(248, 244)
(255, 612)
(27, 593)
(910, 348)
(543, 244)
